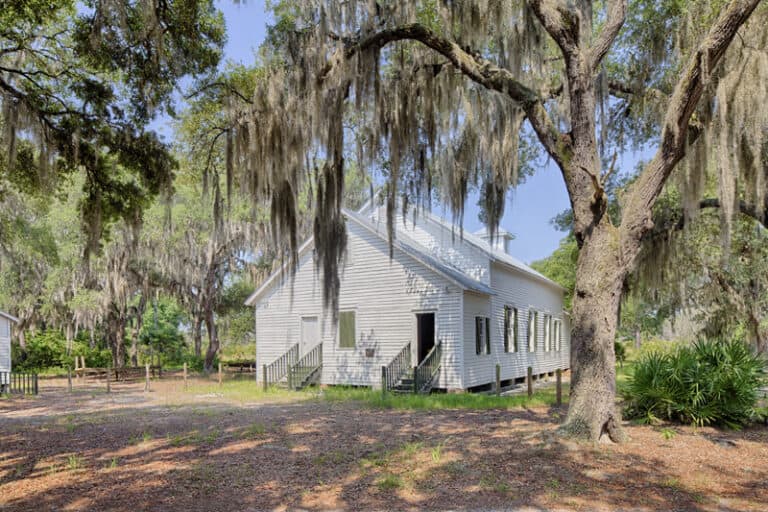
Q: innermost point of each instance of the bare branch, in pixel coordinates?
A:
(617, 13)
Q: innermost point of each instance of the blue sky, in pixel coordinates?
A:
(530, 207)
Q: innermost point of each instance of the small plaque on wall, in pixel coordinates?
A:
(369, 352)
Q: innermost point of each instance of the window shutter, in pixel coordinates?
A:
(347, 329)
(506, 328)
(514, 329)
(478, 335)
(487, 335)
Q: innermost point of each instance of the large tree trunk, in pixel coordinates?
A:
(213, 340)
(116, 335)
(197, 334)
(592, 412)
(137, 325)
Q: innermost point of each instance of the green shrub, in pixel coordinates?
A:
(620, 351)
(45, 349)
(48, 350)
(710, 382)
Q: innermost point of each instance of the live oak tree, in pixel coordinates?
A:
(79, 84)
(444, 90)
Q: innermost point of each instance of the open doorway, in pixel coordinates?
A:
(425, 334)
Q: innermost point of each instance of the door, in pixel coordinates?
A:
(425, 334)
(310, 334)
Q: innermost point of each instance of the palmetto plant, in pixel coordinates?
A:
(710, 382)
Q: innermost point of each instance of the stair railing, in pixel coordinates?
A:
(273, 372)
(396, 369)
(425, 373)
(304, 368)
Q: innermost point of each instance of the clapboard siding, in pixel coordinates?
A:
(516, 289)
(385, 295)
(5, 345)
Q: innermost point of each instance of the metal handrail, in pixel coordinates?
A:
(277, 369)
(305, 367)
(396, 369)
(424, 374)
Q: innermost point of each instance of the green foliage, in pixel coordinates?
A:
(621, 352)
(710, 382)
(44, 350)
(560, 266)
(160, 331)
(47, 350)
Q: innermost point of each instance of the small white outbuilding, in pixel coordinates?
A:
(5, 342)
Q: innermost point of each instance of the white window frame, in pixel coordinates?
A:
(533, 329)
(512, 329)
(485, 341)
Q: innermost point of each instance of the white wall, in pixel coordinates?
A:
(385, 294)
(5, 345)
(516, 289)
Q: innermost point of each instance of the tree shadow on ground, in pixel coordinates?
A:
(320, 455)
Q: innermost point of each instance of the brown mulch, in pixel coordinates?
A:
(137, 451)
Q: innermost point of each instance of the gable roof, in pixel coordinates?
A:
(9, 317)
(496, 255)
(456, 277)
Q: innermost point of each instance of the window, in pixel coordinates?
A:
(482, 335)
(346, 329)
(533, 331)
(5, 328)
(558, 331)
(547, 333)
(510, 329)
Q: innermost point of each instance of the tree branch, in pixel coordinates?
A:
(617, 13)
(560, 22)
(688, 91)
(479, 70)
(746, 209)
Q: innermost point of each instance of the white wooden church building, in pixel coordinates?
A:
(450, 307)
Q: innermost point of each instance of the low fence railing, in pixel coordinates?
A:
(15, 383)
(273, 372)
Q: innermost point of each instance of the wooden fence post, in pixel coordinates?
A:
(530, 381)
(219, 373)
(109, 374)
(146, 377)
(69, 379)
(383, 380)
(185, 376)
(264, 375)
(559, 386)
(498, 380)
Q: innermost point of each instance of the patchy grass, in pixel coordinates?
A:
(436, 401)
(242, 390)
(389, 482)
(75, 462)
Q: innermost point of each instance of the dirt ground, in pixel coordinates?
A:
(172, 450)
